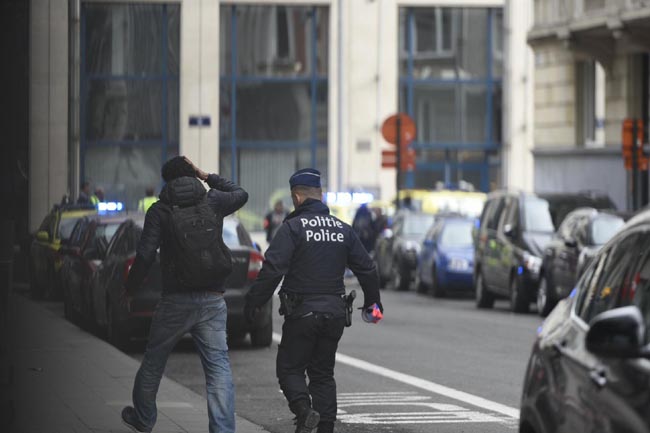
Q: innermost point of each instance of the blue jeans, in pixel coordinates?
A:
(203, 315)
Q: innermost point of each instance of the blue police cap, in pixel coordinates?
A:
(306, 177)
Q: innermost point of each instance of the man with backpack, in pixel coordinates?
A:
(186, 223)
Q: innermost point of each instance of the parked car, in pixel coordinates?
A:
(82, 258)
(582, 233)
(561, 204)
(588, 370)
(397, 248)
(446, 262)
(513, 230)
(120, 324)
(45, 261)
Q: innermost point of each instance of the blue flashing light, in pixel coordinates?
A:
(477, 223)
(110, 206)
(539, 329)
(520, 270)
(573, 293)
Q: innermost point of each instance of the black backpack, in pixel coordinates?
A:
(201, 259)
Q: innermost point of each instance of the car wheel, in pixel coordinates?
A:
(545, 297)
(484, 298)
(115, 332)
(519, 302)
(419, 285)
(401, 277)
(263, 336)
(436, 288)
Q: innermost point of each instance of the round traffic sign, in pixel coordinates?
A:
(406, 129)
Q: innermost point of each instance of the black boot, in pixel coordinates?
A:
(307, 417)
(325, 427)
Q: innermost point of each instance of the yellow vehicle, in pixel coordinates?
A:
(45, 261)
(468, 203)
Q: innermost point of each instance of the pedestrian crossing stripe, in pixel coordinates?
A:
(423, 411)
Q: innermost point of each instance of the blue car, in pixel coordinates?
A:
(446, 260)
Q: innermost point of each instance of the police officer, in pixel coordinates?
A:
(311, 251)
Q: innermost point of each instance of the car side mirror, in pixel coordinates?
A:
(509, 230)
(570, 243)
(617, 333)
(43, 236)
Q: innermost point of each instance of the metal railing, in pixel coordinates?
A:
(554, 12)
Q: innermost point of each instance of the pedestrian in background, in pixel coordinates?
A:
(187, 223)
(145, 203)
(97, 197)
(311, 251)
(84, 193)
(273, 220)
(363, 227)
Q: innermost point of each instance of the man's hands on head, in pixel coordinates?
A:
(199, 173)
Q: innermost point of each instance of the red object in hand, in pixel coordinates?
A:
(372, 314)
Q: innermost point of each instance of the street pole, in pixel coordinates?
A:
(398, 142)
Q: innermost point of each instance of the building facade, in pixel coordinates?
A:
(591, 73)
(257, 89)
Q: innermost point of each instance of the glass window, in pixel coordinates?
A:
(604, 228)
(457, 234)
(495, 212)
(130, 114)
(641, 288)
(417, 224)
(614, 279)
(230, 236)
(78, 234)
(537, 217)
(65, 227)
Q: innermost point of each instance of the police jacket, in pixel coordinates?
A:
(311, 251)
(224, 197)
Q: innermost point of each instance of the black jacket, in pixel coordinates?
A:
(224, 197)
(311, 251)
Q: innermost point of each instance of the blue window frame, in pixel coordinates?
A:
(273, 98)
(129, 95)
(450, 83)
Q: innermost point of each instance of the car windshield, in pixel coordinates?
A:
(106, 230)
(537, 217)
(603, 228)
(457, 234)
(417, 224)
(230, 237)
(65, 227)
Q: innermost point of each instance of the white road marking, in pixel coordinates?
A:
(426, 385)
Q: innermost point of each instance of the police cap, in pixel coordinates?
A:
(305, 177)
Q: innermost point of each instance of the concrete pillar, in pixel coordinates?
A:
(200, 82)
(48, 97)
(518, 91)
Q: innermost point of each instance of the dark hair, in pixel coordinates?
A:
(149, 191)
(175, 168)
(84, 184)
(309, 191)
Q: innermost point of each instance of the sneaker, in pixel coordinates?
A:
(130, 420)
(307, 421)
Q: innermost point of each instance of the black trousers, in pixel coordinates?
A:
(309, 345)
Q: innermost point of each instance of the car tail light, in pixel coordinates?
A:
(127, 266)
(255, 262)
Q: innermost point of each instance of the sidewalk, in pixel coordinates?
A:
(68, 381)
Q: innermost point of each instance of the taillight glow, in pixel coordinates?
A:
(255, 262)
(127, 267)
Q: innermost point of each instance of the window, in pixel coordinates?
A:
(457, 234)
(537, 217)
(604, 228)
(614, 277)
(495, 214)
(129, 95)
(512, 216)
(590, 82)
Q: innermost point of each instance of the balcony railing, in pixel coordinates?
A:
(550, 13)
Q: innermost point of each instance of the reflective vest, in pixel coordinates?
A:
(94, 200)
(145, 203)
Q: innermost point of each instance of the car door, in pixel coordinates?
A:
(507, 237)
(491, 262)
(73, 267)
(584, 372)
(566, 247)
(427, 255)
(619, 391)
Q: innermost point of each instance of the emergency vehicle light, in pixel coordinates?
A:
(110, 206)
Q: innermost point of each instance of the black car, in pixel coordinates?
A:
(561, 204)
(120, 324)
(82, 258)
(397, 249)
(589, 370)
(582, 233)
(45, 260)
